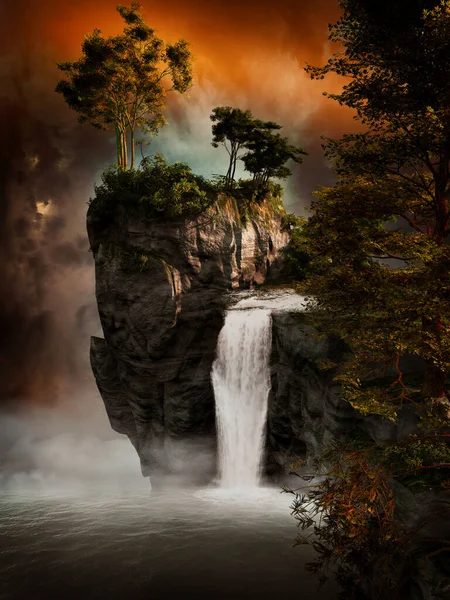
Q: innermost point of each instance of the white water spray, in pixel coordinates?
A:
(241, 381)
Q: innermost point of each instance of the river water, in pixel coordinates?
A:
(178, 544)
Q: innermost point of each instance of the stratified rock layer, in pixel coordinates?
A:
(161, 289)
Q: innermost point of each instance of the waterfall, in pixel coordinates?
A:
(241, 382)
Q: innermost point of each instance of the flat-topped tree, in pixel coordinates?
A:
(118, 82)
(267, 156)
(233, 129)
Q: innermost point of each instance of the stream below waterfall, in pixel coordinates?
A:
(129, 546)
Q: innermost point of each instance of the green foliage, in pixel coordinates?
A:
(396, 67)
(118, 81)
(381, 282)
(155, 189)
(134, 259)
(142, 261)
(379, 237)
(297, 254)
(252, 201)
(267, 152)
(419, 463)
(247, 190)
(267, 155)
(170, 191)
(290, 221)
(231, 129)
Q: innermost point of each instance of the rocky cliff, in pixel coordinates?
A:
(161, 288)
(305, 414)
(305, 411)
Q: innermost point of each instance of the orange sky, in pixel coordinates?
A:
(243, 47)
(248, 54)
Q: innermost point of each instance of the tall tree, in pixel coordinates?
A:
(267, 156)
(386, 290)
(118, 81)
(233, 129)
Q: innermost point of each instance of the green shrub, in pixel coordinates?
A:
(156, 188)
(251, 191)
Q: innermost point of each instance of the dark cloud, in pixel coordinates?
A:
(46, 174)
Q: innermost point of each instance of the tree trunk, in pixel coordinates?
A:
(434, 385)
(441, 206)
(236, 150)
(125, 149)
(122, 155)
(132, 148)
(228, 175)
(119, 147)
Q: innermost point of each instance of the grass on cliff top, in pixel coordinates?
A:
(170, 191)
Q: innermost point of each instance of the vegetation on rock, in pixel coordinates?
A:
(118, 83)
(156, 188)
(297, 254)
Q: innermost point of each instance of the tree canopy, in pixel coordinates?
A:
(381, 282)
(380, 235)
(118, 84)
(267, 152)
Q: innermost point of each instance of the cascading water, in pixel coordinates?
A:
(241, 382)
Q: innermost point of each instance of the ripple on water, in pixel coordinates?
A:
(244, 496)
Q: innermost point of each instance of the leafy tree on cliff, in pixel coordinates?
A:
(386, 289)
(233, 129)
(117, 83)
(268, 154)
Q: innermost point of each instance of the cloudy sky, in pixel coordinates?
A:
(248, 54)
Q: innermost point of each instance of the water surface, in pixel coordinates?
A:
(203, 544)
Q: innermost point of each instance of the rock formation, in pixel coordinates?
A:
(305, 411)
(161, 289)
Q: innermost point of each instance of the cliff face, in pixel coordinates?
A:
(161, 289)
(161, 292)
(305, 411)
